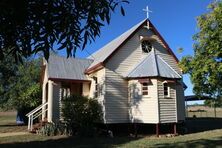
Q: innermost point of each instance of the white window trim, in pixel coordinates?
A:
(168, 90)
(96, 84)
(147, 90)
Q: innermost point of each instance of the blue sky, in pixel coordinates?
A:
(174, 19)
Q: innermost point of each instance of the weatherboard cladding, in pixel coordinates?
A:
(152, 66)
(67, 68)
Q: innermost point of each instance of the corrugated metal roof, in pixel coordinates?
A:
(108, 49)
(152, 66)
(67, 68)
(197, 98)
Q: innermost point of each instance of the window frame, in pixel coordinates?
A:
(146, 90)
(65, 91)
(168, 89)
(96, 92)
(143, 51)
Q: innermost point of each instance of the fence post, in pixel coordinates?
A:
(29, 123)
(215, 113)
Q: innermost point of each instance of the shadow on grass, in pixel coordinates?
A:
(70, 142)
(208, 143)
(195, 125)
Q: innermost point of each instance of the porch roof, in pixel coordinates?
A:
(153, 66)
(67, 68)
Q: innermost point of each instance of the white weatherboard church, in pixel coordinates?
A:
(135, 77)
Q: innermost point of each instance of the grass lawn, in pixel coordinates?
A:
(7, 117)
(8, 123)
(209, 139)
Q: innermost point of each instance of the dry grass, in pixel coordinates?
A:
(203, 111)
(7, 117)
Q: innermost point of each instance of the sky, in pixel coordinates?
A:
(174, 19)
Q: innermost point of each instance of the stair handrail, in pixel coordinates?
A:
(35, 113)
(37, 109)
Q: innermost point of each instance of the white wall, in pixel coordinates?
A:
(53, 101)
(143, 109)
(100, 74)
(86, 89)
(116, 97)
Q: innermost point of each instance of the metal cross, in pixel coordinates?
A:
(147, 12)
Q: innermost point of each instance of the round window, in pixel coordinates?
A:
(146, 46)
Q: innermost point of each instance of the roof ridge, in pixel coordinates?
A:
(155, 62)
(70, 57)
(139, 63)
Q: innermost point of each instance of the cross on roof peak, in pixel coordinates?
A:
(147, 11)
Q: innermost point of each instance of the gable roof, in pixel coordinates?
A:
(67, 68)
(104, 53)
(153, 66)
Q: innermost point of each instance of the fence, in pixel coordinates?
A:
(203, 111)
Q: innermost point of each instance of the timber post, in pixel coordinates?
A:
(157, 129)
(175, 129)
(135, 130)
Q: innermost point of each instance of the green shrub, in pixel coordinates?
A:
(81, 114)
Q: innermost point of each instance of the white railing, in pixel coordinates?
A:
(35, 113)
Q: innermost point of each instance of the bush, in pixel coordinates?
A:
(81, 114)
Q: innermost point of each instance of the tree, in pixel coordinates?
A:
(7, 76)
(205, 66)
(31, 26)
(21, 89)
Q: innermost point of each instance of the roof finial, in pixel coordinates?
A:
(147, 12)
(147, 15)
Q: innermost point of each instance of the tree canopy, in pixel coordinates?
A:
(20, 87)
(31, 26)
(205, 66)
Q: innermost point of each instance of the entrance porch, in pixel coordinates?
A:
(57, 90)
(53, 92)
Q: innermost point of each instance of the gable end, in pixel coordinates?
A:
(102, 63)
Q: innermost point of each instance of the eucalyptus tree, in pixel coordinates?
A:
(205, 66)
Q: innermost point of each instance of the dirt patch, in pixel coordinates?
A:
(9, 113)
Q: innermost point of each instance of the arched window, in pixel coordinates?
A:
(146, 46)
